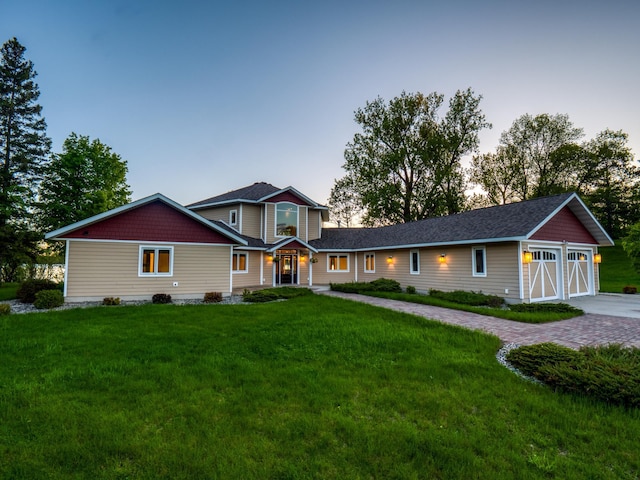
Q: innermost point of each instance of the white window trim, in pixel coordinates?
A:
(371, 254)
(275, 220)
(141, 250)
(474, 271)
(233, 214)
(329, 255)
(246, 262)
(411, 270)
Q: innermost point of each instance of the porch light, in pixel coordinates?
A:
(270, 258)
(390, 259)
(597, 258)
(442, 258)
(527, 257)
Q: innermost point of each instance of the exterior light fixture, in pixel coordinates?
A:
(527, 257)
(390, 259)
(442, 258)
(597, 258)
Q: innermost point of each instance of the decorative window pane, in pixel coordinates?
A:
(155, 261)
(286, 220)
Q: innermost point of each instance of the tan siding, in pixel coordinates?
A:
(252, 277)
(314, 225)
(322, 277)
(101, 269)
(455, 274)
(251, 221)
(270, 223)
(218, 213)
(302, 223)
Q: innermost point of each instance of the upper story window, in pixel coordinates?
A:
(286, 219)
(233, 217)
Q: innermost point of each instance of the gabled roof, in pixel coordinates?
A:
(511, 222)
(257, 193)
(291, 242)
(56, 234)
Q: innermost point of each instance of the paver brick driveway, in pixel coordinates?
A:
(589, 329)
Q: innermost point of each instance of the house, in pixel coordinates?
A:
(261, 235)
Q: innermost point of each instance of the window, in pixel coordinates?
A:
(239, 262)
(479, 261)
(233, 217)
(338, 263)
(370, 262)
(286, 219)
(414, 256)
(155, 261)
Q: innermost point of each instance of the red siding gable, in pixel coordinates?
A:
(154, 221)
(287, 197)
(564, 225)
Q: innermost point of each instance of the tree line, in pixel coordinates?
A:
(406, 164)
(40, 190)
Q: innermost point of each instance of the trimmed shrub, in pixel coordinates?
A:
(5, 309)
(545, 307)
(111, 301)
(161, 298)
(385, 285)
(630, 289)
(212, 297)
(260, 296)
(473, 299)
(609, 373)
(379, 285)
(46, 299)
(411, 290)
(27, 291)
(271, 294)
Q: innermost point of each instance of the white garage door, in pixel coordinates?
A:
(580, 273)
(544, 275)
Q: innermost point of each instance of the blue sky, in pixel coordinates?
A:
(202, 97)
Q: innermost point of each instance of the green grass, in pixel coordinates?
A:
(525, 317)
(315, 387)
(616, 270)
(8, 291)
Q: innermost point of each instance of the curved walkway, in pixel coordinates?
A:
(589, 329)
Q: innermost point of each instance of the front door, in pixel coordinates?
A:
(287, 269)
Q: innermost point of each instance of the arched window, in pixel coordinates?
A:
(286, 219)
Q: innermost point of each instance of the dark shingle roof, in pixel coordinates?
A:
(511, 221)
(250, 193)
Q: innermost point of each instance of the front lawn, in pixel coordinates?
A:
(314, 387)
(8, 291)
(616, 270)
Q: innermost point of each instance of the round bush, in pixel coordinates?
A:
(27, 291)
(46, 299)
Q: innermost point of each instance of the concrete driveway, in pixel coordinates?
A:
(613, 304)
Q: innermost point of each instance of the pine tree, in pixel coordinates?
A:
(24, 149)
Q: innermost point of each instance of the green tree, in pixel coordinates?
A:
(405, 165)
(631, 245)
(24, 149)
(536, 157)
(86, 179)
(609, 181)
(344, 204)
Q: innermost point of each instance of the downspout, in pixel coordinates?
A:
(66, 268)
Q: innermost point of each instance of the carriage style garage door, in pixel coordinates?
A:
(580, 273)
(544, 275)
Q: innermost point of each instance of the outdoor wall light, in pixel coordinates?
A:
(442, 258)
(597, 258)
(390, 259)
(527, 257)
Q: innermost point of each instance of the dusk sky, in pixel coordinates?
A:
(203, 97)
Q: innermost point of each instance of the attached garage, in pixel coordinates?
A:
(545, 275)
(580, 267)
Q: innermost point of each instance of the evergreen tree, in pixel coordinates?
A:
(24, 149)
